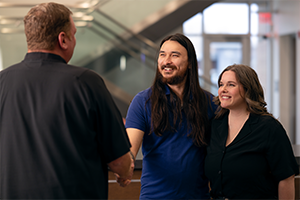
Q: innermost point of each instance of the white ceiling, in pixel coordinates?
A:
(89, 44)
(133, 14)
(19, 8)
(34, 2)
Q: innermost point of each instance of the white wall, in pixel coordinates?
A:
(286, 21)
(12, 53)
(1, 63)
(287, 84)
(298, 89)
(287, 16)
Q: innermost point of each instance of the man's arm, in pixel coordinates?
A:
(136, 138)
(286, 188)
(123, 169)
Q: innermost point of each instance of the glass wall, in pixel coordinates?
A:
(232, 31)
(226, 18)
(192, 28)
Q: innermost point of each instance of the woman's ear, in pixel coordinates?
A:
(62, 40)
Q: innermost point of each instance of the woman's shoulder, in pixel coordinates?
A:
(268, 121)
(220, 119)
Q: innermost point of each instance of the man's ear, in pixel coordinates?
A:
(62, 40)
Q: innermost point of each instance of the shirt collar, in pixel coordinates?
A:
(167, 89)
(44, 56)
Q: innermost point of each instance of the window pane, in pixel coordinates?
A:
(226, 18)
(193, 25)
(223, 54)
(254, 19)
(198, 43)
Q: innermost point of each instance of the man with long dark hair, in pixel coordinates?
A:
(171, 118)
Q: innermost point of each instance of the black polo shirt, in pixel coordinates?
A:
(253, 164)
(59, 127)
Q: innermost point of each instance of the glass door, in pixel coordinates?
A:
(222, 51)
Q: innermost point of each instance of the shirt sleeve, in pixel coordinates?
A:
(136, 114)
(106, 119)
(212, 107)
(280, 154)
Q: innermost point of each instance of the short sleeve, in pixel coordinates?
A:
(212, 106)
(280, 154)
(106, 119)
(136, 114)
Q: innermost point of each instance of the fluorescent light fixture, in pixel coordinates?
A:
(88, 4)
(123, 63)
(82, 16)
(11, 30)
(81, 24)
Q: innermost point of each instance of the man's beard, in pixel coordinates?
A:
(175, 80)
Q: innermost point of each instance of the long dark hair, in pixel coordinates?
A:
(254, 93)
(194, 101)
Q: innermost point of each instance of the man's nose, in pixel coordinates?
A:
(167, 60)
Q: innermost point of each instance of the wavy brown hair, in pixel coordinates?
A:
(194, 101)
(43, 23)
(254, 93)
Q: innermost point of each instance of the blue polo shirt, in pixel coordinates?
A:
(173, 167)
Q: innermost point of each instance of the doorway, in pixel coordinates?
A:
(221, 51)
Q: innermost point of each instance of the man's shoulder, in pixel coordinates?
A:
(142, 97)
(145, 93)
(12, 67)
(208, 94)
(81, 72)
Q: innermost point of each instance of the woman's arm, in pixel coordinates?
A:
(286, 188)
(136, 137)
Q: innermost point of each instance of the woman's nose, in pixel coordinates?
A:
(223, 88)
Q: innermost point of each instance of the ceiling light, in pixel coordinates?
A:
(10, 30)
(88, 4)
(82, 16)
(78, 14)
(81, 24)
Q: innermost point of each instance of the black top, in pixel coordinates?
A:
(253, 164)
(59, 128)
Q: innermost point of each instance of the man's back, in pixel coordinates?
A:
(52, 120)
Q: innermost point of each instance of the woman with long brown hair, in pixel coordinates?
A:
(249, 155)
